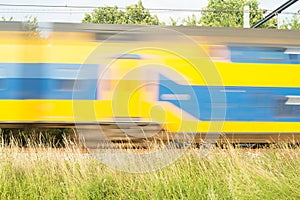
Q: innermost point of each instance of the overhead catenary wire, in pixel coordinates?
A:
(80, 8)
(274, 13)
(84, 11)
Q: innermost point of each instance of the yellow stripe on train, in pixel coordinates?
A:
(80, 111)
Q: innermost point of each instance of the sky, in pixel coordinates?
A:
(64, 14)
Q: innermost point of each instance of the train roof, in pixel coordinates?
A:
(203, 34)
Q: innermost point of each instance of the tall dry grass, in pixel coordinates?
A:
(230, 173)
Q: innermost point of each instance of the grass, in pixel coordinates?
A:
(224, 174)
(33, 137)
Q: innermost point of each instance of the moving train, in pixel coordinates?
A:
(243, 83)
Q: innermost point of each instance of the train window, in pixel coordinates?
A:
(123, 37)
(218, 52)
(259, 54)
(293, 57)
(65, 84)
(293, 51)
(128, 56)
(2, 84)
(288, 107)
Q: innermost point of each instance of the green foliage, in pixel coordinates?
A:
(137, 14)
(5, 20)
(174, 22)
(189, 21)
(134, 14)
(229, 13)
(293, 24)
(30, 23)
(106, 15)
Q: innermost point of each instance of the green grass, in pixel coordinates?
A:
(224, 174)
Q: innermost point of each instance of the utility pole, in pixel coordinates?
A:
(246, 17)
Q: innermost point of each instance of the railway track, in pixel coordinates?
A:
(145, 135)
(152, 136)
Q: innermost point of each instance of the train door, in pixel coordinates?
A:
(124, 83)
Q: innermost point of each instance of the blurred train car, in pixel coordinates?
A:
(54, 77)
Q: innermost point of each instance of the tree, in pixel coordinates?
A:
(189, 21)
(293, 23)
(229, 13)
(31, 24)
(134, 14)
(174, 22)
(6, 20)
(105, 15)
